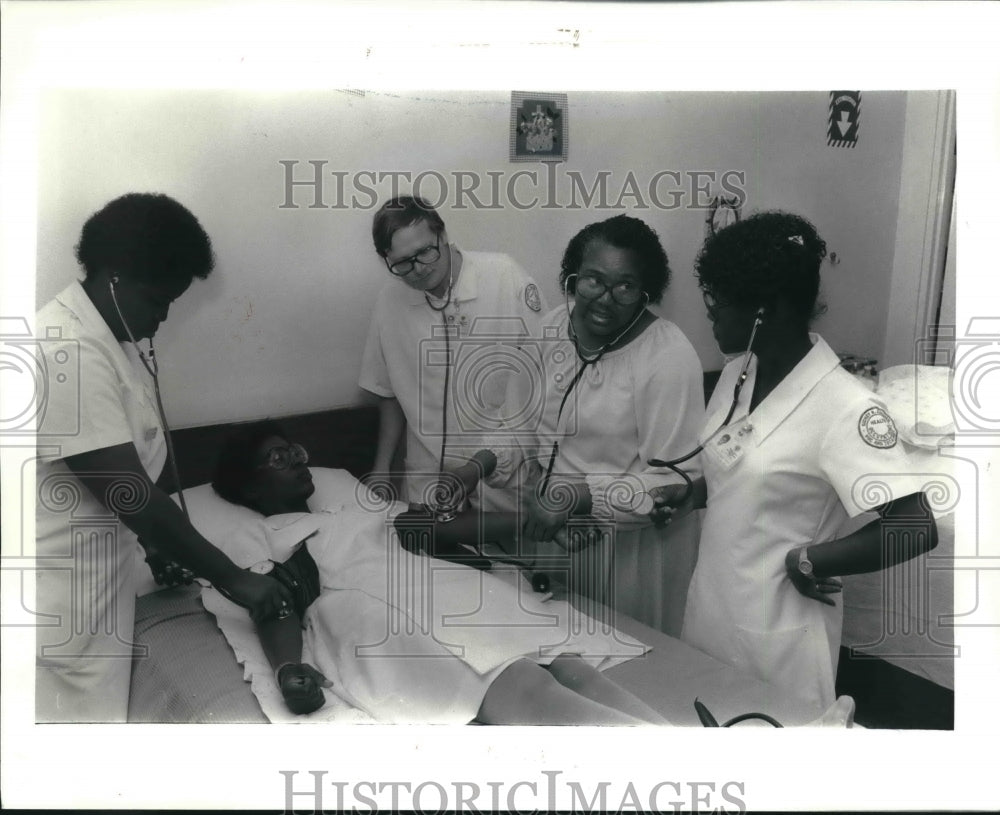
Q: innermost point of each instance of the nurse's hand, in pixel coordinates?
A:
(669, 501)
(166, 572)
(575, 538)
(302, 687)
(542, 518)
(815, 588)
(264, 597)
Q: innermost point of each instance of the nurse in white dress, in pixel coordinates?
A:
(621, 386)
(100, 450)
(806, 447)
(405, 637)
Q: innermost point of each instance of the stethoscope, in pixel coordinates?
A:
(445, 514)
(737, 389)
(592, 357)
(153, 369)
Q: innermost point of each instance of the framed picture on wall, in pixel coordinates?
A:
(539, 126)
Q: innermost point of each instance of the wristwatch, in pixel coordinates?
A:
(805, 565)
(263, 567)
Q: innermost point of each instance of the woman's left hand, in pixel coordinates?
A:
(302, 687)
(815, 588)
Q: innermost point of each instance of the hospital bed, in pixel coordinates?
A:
(186, 671)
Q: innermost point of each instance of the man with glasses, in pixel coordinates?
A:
(445, 336)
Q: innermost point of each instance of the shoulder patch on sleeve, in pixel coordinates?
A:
(531, 297)
(877, 429)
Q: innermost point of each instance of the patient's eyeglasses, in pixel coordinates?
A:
(403, 267)
(592, 287)
(281, 458)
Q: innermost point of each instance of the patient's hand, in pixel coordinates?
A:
(302, 687)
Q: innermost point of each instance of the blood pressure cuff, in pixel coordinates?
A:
(300, 575)
(417, 529)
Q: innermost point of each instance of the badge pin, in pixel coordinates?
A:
(532, 298)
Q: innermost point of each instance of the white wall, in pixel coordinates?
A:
(278, 328)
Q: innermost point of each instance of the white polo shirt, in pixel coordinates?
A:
(85, 556)
(819, 448)
(495, 308)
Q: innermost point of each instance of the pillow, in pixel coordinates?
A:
(221, 522)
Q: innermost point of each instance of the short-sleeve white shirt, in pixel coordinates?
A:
(817, 449)
(495, 307)
(96, 396)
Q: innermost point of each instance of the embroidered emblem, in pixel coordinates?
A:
(877, 429)
(532, 298)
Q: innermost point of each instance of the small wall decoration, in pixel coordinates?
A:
(539, 126)
(723, 211)
(845, 116)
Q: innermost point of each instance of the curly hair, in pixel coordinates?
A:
(400, 212)
(623, 232)
(236, 465)
(148, 237)
(769, 256)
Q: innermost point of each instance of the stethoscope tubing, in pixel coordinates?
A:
(672, 465)
(152, 367)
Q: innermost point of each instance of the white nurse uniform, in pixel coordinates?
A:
(818, 449)
(85, 558)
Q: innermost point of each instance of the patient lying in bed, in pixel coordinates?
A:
(402, 636)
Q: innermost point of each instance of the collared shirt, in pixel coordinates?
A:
(480, 335)
(96, 395)
(819, 448)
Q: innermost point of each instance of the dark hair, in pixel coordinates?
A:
(399, 212)
(148, 237)
(624, 232)
(769, 256)
(235, 466)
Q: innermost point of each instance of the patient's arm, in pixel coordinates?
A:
(281, 638)
(420, 530)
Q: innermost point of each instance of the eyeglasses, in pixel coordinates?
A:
(626, 293)
(713, 303)
(403, 267)
(281, 458)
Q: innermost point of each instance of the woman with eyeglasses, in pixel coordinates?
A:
(405, 637)
(621, 386)
(793, 446)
